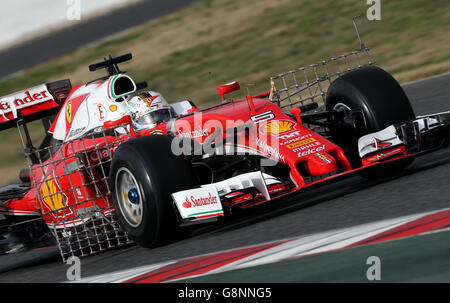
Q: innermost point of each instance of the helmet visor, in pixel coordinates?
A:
(156, 116)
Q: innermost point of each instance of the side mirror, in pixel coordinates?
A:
(228, 88)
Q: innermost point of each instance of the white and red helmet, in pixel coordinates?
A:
(148, 109)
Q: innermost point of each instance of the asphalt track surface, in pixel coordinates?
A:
(55, 44)
(422, 187)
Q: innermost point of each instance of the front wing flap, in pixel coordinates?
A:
(424, 134)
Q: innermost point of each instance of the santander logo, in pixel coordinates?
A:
(197, 202)
(187, 204)
(24, 99)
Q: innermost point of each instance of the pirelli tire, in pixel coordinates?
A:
(382, 101)
(144, 173)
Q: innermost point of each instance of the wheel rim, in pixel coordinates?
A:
(129, 197)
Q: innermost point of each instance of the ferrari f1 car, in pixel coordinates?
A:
(95, 182)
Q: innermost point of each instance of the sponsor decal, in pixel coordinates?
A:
(195, 133)
(98, 129)
(307, 146)
(77, 131)
(79, 194)
(89, 211)
(385, 154)
(103, 154)
(27, 98)
(269, 150)
(300, 143)
(310, 151)
(323, 157)
(51, 194)
(69, 112)
(156, 132)
(113, 108)
(277, 127)
(295, 139)
(101, 112)
(290, 135)
(150, 100)
(380, 144)
(71, 167)
(197, 202)
(187, 204)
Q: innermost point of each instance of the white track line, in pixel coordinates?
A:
(294, 247)
(318, 243)
(121, 276)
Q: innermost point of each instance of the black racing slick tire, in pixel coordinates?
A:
(144, 173)
(382, 102)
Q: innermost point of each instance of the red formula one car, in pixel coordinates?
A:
(96, 182)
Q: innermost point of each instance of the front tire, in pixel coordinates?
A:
(382, 102)
(144, 174)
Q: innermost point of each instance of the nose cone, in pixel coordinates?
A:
(320, 163)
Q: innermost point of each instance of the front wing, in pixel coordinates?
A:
(396, 143)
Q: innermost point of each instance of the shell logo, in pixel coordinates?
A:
(51, 194)
(277, 127)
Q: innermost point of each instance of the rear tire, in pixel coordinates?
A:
(144, 174)
(382, 102)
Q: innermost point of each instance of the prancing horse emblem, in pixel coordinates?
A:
(69, 113)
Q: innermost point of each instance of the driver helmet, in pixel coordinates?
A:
(148, 109)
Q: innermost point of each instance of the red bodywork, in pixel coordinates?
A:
(65, 187)
(273, 134)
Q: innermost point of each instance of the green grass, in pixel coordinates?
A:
(186, 54)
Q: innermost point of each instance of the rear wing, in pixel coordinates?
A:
(34, 103)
